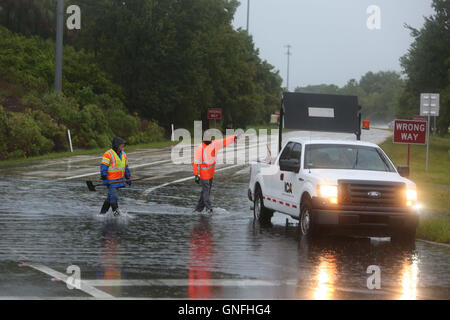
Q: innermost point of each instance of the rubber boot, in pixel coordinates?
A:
(105, 207)
(115, 208)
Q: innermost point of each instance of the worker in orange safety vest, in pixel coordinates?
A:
(204, 165)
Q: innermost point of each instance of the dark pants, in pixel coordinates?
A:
(111, 200)
(113, 195)
(204, 196)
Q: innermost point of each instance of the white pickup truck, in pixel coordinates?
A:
(348, 187)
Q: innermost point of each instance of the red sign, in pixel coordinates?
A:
(420, 118)
(366, 124)
(410, 131)
(214, 113)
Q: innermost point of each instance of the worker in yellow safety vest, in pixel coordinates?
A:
(113, 171)
(204, 165)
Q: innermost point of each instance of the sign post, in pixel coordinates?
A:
(214, 114)
(410, 132)
(429, 106)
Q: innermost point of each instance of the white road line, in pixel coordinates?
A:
(96, 293)
(242, 283)
(95, 173)
(70, 159)
(147, 191)
(150, 164)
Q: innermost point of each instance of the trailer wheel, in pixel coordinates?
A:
(260, 212)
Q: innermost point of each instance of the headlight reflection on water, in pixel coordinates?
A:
(410, 277)
(326, 274)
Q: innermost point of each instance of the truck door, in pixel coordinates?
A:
(290, 182)
(277, 180)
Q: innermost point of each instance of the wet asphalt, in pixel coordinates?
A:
(160, 249)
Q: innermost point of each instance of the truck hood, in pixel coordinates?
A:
(331, 176)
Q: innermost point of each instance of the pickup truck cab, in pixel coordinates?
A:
(348, 187)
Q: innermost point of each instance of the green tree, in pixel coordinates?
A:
(427, 64)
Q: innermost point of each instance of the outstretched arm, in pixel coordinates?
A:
(222, 143)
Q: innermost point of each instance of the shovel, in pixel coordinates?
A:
(91, 185)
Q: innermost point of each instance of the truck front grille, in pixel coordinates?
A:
(371, 193)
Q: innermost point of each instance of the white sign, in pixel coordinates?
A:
(321, 112)
(429, 104)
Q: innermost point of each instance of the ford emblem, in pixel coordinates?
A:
(374, 194)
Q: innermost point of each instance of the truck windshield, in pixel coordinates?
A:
(324, 156)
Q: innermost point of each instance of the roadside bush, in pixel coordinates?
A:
(86, 96)
(3, 134)
(25, 135)
(92, 124)
(122, 124)
(51, 130)
(150, 132)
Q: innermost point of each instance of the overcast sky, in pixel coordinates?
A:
(330, 40)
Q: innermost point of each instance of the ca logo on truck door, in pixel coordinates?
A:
(288, 187)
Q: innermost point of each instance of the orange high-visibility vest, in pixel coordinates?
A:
(116, 165)
(205, 156)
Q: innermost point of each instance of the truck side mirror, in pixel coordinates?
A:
(284, 165)
(290, 165)
(403, 171)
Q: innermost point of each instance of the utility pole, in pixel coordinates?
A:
(248, 13)
(288, 58)
(59, 45)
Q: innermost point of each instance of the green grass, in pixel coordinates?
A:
(433, 186)
(434, 228)
(99, 151)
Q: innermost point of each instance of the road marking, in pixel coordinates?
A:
(147, 191)
(242, 283)
(151, 163)
(92, 174)
(86, 288)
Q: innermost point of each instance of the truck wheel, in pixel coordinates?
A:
(261, 213)
(306, 226)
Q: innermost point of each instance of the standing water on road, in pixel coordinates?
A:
(160, 248)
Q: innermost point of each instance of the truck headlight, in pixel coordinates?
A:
(411, 197)
(329, 192)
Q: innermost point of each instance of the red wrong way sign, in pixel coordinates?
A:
(214, 113)
(410, 131)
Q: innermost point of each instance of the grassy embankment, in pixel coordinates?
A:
(433, 185)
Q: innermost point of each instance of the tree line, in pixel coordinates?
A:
(425, 69)
(172, 59)
(377, 93)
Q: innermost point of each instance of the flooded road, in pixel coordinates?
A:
(159, 248)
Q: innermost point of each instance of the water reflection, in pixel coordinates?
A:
(110, 256)
(200, 260)
(410, 275)
(326, 273)
(336, 267)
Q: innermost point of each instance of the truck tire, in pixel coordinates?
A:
(260, 212)
(306, 226)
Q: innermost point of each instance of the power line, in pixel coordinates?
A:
(59, 45)
(248, 13)
(288, 53)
